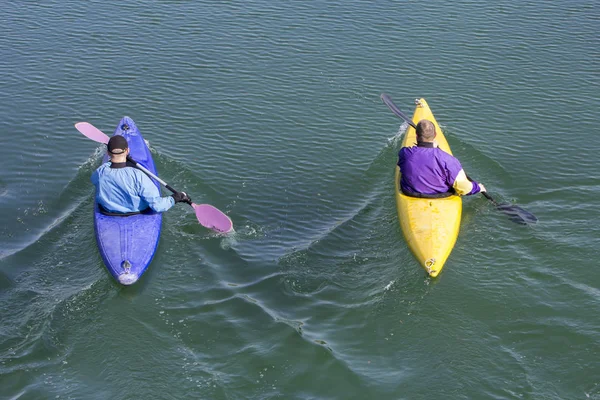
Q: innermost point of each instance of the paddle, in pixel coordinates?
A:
(515, 213)
(207, 215)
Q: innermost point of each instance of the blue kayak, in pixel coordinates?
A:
(127, 243)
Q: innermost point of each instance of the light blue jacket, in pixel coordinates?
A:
(127, 189)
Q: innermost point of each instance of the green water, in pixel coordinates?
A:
(270, 111)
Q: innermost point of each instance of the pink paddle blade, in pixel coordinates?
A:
(92, 132)
(212, 218)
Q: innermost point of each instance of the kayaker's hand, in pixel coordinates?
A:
(481, 187)
(181, 197)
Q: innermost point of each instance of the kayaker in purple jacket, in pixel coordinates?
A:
(427, 171)
(123, 189)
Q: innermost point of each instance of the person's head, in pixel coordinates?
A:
(117, 148)
(425, 131)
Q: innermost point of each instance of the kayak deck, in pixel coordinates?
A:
(430, 226)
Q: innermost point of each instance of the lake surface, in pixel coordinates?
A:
(270, 111)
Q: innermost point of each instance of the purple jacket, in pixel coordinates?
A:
(429, 170)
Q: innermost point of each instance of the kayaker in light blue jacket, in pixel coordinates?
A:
(121, 188)
(428, 171)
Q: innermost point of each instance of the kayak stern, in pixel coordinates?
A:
(127, 278)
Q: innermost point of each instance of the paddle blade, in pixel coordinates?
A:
(388, 102)
(212, 218)
(517, 214)
(91, 132)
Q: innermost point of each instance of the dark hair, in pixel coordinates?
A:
(425, 130)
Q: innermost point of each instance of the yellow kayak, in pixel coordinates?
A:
(430, 226)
